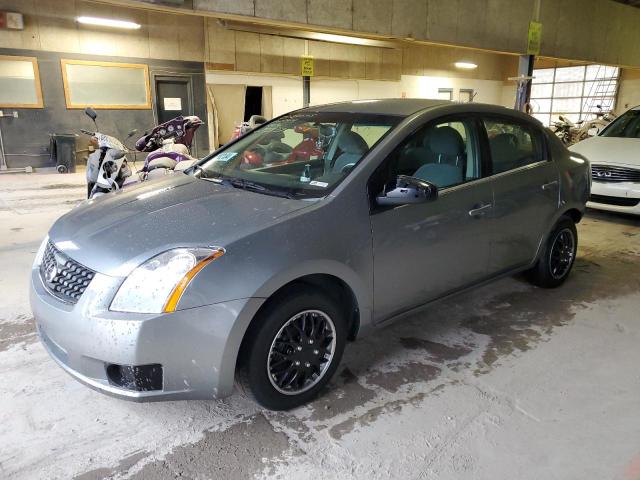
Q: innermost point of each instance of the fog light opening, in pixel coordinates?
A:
(139, 378)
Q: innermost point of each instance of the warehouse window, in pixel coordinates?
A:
(574, 92)
(106, 85)
(20, 82)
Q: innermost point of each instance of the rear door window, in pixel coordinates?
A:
(512, 144)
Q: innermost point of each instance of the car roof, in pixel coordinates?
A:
(385, 106)
(408, 106)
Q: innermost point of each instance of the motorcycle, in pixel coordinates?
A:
(563, 130)
(571, 133)
(169, 145)
(107, 166)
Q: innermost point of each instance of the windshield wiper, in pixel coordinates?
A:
(197, 167)
(250, 186)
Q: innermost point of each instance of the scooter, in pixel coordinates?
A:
(107, 167)
(169, 145)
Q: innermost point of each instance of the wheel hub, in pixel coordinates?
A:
(562, 253)
(301, 352)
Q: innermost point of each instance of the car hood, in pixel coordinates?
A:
(115, 233)
(610, 150)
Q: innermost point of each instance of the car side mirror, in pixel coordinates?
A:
(408, 190)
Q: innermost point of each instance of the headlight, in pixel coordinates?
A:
(38, 260)
(157, 285)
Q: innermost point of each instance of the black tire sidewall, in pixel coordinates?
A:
(543, 276)
(256, 351)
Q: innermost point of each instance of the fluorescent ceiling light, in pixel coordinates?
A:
(466, 65)
(331, 37)
(306, 34)
(108, 22)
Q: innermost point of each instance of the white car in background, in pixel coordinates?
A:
(615, 164)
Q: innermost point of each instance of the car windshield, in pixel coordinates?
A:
(300, 155)
(627, 126)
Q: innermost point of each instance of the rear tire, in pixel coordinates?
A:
(557, 257)
(292, 349)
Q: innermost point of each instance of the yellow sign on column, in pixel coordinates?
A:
(535, 38)
(306, 65)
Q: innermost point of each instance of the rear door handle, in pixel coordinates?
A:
(479, 211)
(548, 186)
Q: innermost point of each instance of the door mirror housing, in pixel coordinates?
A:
(408, 190)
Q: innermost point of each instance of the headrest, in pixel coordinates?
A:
(446, 141)
(426, 139)
(270, 137)
(256, 120)
(351, 142)
(504, 141)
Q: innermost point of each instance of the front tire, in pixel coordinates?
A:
(557, 257)
(292, 348)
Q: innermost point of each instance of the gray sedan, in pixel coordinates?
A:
(259, 264)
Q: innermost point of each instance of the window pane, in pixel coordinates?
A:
(445, 94)
(107, 85)
(542, 90)
(443, 154)
(567, 89)
(18, 85)
(541, 105)
(568, 74)
(561, 105)
(370, 133)
(601, 71)
(298, 153)
(544, 75)
(511, 146)
(590, 105)
(545, 118)
(626, 126)
(599, 89)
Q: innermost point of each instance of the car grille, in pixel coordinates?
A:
(63, 277)
(607, 173)
(618, 201)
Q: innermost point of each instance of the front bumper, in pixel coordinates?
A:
(196, 347)
(608, 194)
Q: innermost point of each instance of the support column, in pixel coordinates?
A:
(306, 91)
(525, 73)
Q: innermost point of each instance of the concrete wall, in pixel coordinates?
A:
(287, 91)
(50, 25)
(628, 90)
(593, 30)
(229, 50)
(26, 138)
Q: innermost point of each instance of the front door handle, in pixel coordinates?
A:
(479, 211)
(548, 186)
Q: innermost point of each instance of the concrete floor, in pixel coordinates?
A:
(508, 381)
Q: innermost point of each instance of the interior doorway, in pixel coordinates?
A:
(235, 103)
(252, 102)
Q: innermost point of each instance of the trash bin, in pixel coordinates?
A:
(63, 152)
